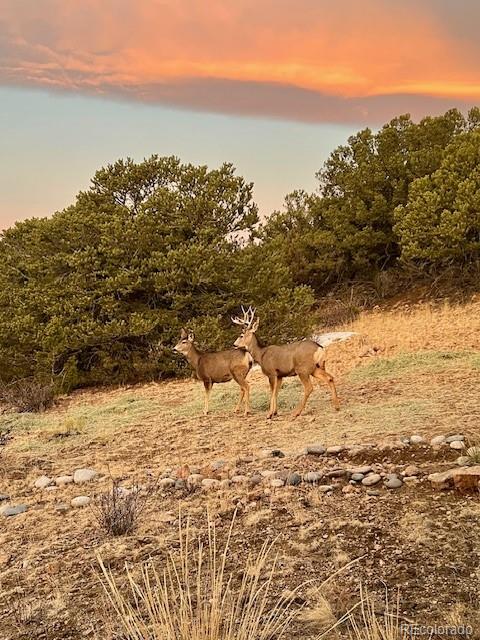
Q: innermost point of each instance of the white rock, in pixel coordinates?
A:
(455, 438)
(437, 441)
(416, 439)
(194, 479)
(80, 501)
(166, 482)
(62, 480)
(276, 482)
(458, 445)
(335, 449)
(371, 479)
(84, 475)
(42, 482)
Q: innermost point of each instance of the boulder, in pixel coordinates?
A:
(467, 478)
(80, 501)
(60, 481)
(84, 475)
(458, 445)
(315, 449)
(442, 479)
(42, 482)
(13, 510)
(437, 441)
(371, 479)
(416, 439)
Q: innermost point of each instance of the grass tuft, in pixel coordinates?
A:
(194, 597)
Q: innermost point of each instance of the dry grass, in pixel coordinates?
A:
(194, 597)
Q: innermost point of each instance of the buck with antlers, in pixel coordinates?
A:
(303, 358)
(220, 366)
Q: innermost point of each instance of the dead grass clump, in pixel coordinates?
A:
(117, 511)
(194, 597)
(27, 396)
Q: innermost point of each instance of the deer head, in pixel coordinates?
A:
(185, 343)
(249, 324)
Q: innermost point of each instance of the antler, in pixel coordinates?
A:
(248, 317)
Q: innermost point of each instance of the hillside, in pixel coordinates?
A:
(411, 370)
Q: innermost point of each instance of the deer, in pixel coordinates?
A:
(218, 367)
(303, 358)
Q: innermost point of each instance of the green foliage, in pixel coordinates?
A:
(441, 220)
(350, 228)
(98, 292)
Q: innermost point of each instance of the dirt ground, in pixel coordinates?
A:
(413, 370)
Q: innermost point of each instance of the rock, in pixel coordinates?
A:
(180, 484)
(325, 488)
(312, 476)
(455, 438)
(4, 497)
(239, 479)
(458, 445)
(393, 483)
(225, 483)
(61, 507)
(276, 482)
(13, 511)
(84, 475)
(442, 479)
(210, 483)
(166, 483)
(411, 479)
(255, 479)
(268, 473)
(371, 479)
(218, 465)
(357, 477)
(364, 470)
(373, 492)
(405, 440)
(437, 441)
(416, 439)
(80, 501)
(411, 470)
(293, 479)
(336, 473)
(467, 478)
(60, 481)
(463, 461)
(315, 449)
(194, 480)
(335, 449)
(42, 482)
(272, 453)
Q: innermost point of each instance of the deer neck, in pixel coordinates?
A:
(256, 351)
(193, 356)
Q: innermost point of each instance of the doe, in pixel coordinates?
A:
(219, 366)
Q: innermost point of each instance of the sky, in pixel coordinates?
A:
(272, 86)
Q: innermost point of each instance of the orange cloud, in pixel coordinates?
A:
(318, 56)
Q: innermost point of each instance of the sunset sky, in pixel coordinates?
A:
(270, 85)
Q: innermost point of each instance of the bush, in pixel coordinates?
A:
(28, 396)
(117, 511)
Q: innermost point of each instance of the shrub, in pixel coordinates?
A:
(118, 510)
(28, 396)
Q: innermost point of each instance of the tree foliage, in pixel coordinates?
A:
(98, 292)
(347, 229)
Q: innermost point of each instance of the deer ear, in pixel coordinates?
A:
(191, 336)
(255, 325)
(183, 334)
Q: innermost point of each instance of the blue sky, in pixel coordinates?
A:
(52, 144)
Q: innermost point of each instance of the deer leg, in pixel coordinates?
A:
(322, 376)
(307, 389)
(240, 400)
(244, 391)
(275, 384)
(208, 384)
